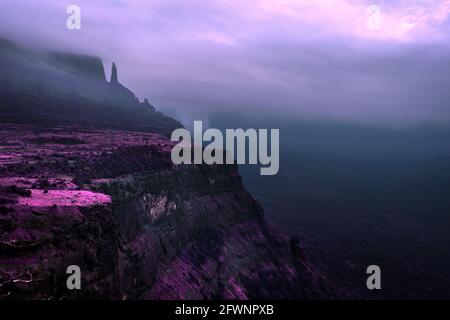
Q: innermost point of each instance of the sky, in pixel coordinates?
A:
(378, 62)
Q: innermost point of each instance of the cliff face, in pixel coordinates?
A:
(55, 88)
(83, 65)
(139, 227)
(112, 202)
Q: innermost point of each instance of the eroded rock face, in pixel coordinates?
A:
(139, 227)
(40, 240)
(82, 64)
(64, 88)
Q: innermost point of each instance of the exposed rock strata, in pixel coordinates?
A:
(139, 227)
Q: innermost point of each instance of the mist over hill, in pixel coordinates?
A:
(113, 203)
(57, 88)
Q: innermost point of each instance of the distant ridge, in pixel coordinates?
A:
(70, 88)
(82, 64)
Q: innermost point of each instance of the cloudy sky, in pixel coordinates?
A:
(370, 61)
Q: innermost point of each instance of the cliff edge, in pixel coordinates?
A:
(64, 88)
(138, 226)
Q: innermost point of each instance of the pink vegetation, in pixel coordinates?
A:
(64, 198)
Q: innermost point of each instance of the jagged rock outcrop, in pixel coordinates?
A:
(114, 74)
(79, 190)
(118, 92)
(148, 105)
(64, 88)
(138, 226)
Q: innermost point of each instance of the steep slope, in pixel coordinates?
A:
(64, 88)
(139, 227)
(86, 179)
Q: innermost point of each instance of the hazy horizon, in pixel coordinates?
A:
(305, 59)
(368, 186)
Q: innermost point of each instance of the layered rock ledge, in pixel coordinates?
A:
(138, 226)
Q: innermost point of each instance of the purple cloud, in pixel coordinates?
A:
(305, 58)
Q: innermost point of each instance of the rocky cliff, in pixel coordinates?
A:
(83, 65)
(86, 179)
(55, 88)
(138, 226)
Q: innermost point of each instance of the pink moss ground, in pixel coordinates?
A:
(64, 198)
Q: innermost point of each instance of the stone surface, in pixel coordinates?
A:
(63, 88)
(139, 227)
(114, 78)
